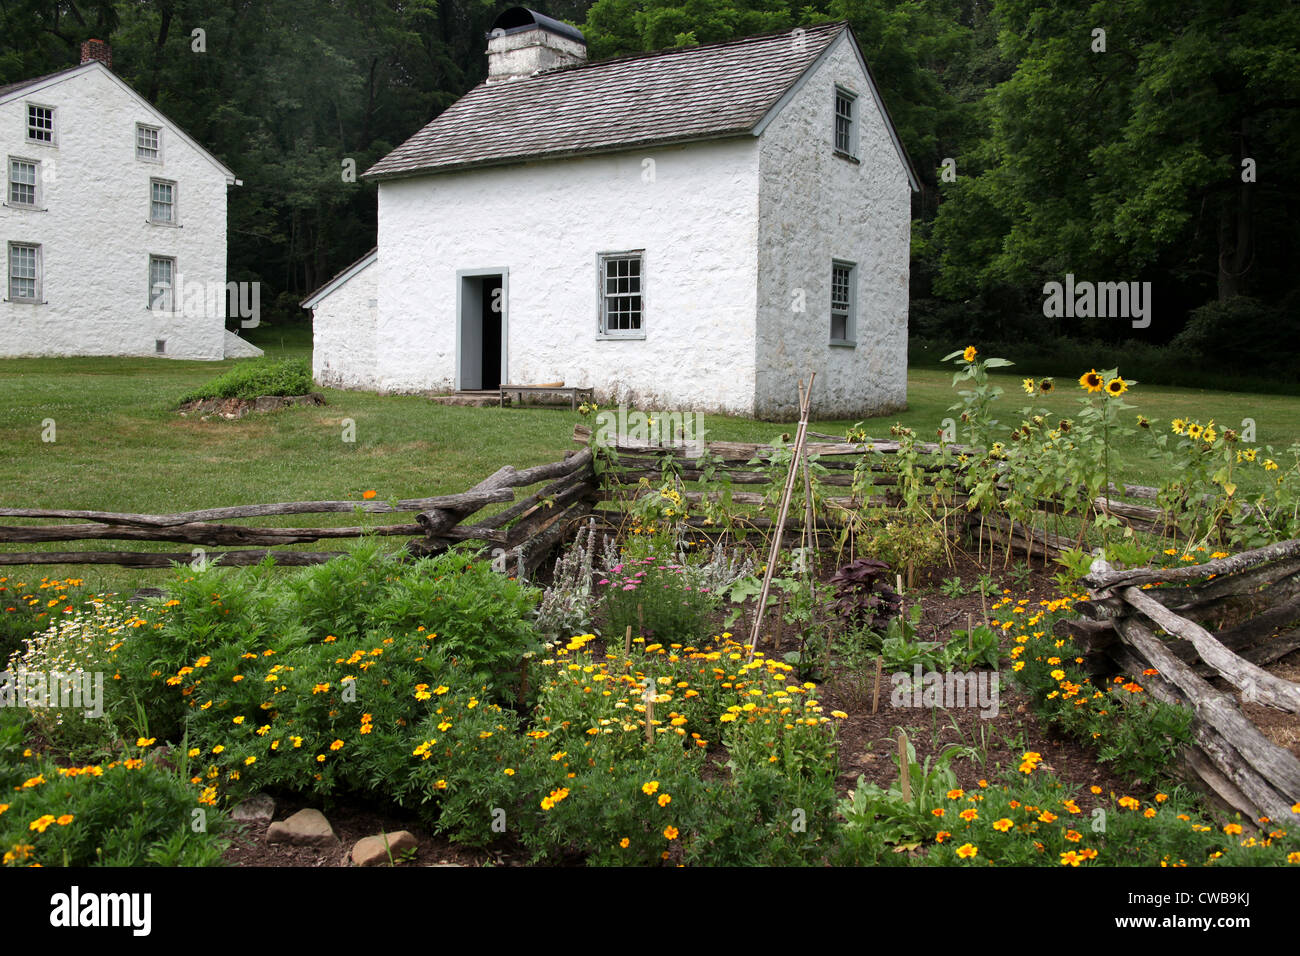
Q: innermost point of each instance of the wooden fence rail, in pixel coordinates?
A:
(522, 533)
(1134, 626)
(637, 460)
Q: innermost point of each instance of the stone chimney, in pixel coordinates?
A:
(97, 50)
(524, 43)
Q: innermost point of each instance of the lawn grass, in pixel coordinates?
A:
(121, 446)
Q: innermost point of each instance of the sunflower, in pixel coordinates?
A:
(1046, 386)
(1193, 430)
(1091, 381)
(969, 354)
(1116, 387)
(1028, 386)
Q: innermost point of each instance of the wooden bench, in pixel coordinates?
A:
(574, 392)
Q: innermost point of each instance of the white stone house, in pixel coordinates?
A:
(693, 229)
(113, 223)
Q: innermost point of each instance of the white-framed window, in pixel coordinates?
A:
(24, 182)
(622, 294)
(24, 272)
(148, 143)
(846, 122)
(162, 274)
(162, 201)
(40, 124)
(844, 280)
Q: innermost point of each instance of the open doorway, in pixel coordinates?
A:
(481, 329)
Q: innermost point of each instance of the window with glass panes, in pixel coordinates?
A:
(22, 183)
(621, 277)
(841, 302)
(162, 201)
(161, 272)
(844, 122)
(146, 143)
(40, 123)
(24, 272)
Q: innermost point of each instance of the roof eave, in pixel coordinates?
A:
(731, 133)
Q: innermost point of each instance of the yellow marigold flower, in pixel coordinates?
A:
(336, 745)
(1233, 829)
(1057, 674)
(664, 799)
(1128, 803)
(839, 715)
(64, 820)
(41, 823)
(624, 842)
(1070, 858)
(966, 851)
(1047, 816)
(650, 788)
(509, 771)
(237, 720)
(1003, 825)
(218, 748)
(145, 741)
(969, 814)
(320, 758)
(249, 761)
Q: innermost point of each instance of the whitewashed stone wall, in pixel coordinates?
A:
(95, 237)
(696, 219)
(814, 207)
(343, 333)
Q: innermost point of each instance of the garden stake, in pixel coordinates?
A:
(905, 766)
(650, 710)
(627, 649)
(875, 697)
(800, 436)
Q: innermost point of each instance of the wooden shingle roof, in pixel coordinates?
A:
(690, 93)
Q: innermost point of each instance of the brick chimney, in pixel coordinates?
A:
(523, 43)
(97, 50)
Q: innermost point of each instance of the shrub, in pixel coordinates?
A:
(254, 378)
(131, 812)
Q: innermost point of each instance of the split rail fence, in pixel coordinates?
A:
(524, 532)
(1187, 626)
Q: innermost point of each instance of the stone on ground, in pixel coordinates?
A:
(304, 828)
(257, 810)
(370, 851)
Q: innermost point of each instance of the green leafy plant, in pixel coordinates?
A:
(253, 378)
